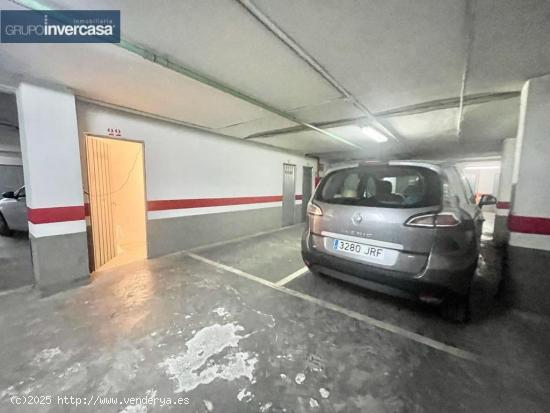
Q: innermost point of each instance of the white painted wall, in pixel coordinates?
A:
(531, 166)
(482, 175)
(50, 152)
(185, 163)
(49, 145)
(532, 197)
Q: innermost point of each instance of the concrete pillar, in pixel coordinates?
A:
(501, 233)
(529, 221)
(51, 162)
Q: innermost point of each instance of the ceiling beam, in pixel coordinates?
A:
(8, 124)
(429, 151)
(430, 106)
(10, 148)
(163, 61)
(149, 115)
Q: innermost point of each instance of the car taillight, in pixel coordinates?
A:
(313, 209)
(446, 219)
(441, 220)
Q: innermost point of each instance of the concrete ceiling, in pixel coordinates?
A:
(387, 53)
(401, 61)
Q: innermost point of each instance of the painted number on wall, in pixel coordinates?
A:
(114, 132)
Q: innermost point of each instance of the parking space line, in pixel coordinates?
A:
(231, 269)
(292, 276)
(243, 238)
(454, 351)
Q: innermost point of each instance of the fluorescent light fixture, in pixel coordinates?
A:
(374, 134)
(483, 167)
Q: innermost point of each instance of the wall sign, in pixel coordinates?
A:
(114, 132)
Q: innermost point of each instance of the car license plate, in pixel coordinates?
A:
(366, 251)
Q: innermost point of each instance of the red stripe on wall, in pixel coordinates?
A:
(76, 213)
(529, 225)
(209, 202)
(56, 214)
(299, 197)
(503, 205)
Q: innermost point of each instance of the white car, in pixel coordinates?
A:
(13, 212)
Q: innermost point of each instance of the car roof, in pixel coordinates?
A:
(435, 165)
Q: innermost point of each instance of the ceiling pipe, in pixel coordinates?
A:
(469, 29)
(291, 43)
(315, 65)
(153, 57)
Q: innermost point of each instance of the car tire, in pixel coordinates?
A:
(4, 229)
(456, 309)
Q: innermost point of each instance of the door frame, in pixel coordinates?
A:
(85, 166)
(303, 216)
(293, 195)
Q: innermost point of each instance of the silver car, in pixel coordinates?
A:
(407, 228)
(13, 212)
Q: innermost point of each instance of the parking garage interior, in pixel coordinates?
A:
(15, 253)
(171, 180)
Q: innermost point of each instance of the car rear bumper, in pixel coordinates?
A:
(440, 276)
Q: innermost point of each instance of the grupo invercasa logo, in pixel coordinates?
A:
(60, 26)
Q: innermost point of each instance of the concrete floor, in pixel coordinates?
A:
(15, 261)
(216, 327)
(126, 254)
(488, 225)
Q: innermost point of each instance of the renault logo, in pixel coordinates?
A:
(357, 218)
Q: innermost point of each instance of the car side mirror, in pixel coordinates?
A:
(8, 194)
(487, 199)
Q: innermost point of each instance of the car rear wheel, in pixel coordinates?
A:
(4, 229)
(456, 309)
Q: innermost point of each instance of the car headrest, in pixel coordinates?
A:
(412, 190)
(383, 188)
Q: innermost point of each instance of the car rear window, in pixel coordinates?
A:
(382, 186)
